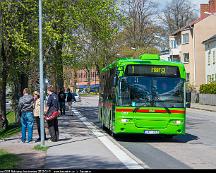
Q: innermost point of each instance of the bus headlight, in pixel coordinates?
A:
(124, 120)
(177, 122)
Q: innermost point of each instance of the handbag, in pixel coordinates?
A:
(54, 115)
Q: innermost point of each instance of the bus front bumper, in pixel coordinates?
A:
(131, 128)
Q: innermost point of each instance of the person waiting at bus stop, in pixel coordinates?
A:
(25, 109)
(52, 106)
(37, 114)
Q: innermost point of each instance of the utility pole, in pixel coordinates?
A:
(41, 76)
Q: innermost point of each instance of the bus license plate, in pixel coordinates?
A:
(151, 132)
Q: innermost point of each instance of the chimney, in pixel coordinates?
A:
(212, 6)
(204, 8)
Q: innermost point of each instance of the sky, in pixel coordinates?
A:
(195, 2)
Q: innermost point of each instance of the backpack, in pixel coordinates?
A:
(69, 97)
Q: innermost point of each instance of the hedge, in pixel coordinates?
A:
(208, 88)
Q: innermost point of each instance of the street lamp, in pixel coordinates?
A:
(41, 76)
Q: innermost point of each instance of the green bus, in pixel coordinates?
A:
(143, 96)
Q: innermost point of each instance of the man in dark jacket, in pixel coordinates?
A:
(52, 106)
(25, 108)
(61, 99)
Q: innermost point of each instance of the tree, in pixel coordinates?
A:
(17, 50)
(175, 15)
(142, 26)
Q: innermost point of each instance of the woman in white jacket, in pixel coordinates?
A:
(37, 114)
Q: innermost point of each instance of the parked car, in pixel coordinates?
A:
(77, 97)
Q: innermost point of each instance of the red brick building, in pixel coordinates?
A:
(79, 79)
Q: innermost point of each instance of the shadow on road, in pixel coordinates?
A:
(156, 138)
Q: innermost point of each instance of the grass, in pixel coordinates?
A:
(8, 160)
(13, 128)
(41, 148)
(11, 117)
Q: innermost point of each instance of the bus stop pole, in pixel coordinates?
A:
(41, 76)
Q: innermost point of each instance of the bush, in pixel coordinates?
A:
(208, 88)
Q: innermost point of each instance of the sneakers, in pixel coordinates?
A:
(22, 141)
(52, 141)
(37, 140)
(30, 142)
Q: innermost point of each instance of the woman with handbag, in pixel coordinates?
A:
(52, 113)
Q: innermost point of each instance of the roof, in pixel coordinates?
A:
(210, 39)
(143, 60)
(187, 26)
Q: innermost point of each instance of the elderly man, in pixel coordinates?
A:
(25, 107)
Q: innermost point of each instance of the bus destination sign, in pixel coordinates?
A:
(152, 70)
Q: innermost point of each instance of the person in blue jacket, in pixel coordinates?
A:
(52, 106)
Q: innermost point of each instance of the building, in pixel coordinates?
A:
(78, 79)
(186, 43)
(210, 59)
(165, 55)
(82, 79)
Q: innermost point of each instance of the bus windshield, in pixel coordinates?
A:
(151, 92)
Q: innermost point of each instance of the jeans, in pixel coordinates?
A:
(27, 121)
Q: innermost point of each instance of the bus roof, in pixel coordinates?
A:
(147, 59)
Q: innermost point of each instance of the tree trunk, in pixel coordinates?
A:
(75, 81)
(59, 66)
(88, 79)
(3, 82)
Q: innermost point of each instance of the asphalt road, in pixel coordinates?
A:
(194, 150)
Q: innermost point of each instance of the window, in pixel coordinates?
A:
(173, 44)
(186, 57)
(213, 79)
(187, 77)
(185, 38)
(209, 58)
(213, 57)
(208, 78)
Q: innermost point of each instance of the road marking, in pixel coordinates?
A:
(118, 152)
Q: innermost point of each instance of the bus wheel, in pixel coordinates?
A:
(113, 134)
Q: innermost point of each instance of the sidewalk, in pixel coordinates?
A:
(203, 107)
(31, 159)
(79, 148)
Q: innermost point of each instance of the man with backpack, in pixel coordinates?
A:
(70, 98)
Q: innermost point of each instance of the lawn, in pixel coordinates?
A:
(41, 148)
(8, 160)
(13, 127)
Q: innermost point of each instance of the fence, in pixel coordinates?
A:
(207, 99)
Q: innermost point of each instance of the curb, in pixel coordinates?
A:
(202, 109)
(141, 163)
(130, 155)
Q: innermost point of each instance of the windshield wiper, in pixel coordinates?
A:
(137, 108)
(164, 106)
